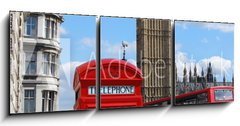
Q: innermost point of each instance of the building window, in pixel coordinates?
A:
(49, 62)
(44, 98)
(51, 101)
(46, 60)
(48, 100)
(53, 29)
(29, 101)
(30, 63)
(53, 65)
(31, 26)
(50, 29)
(47, 28)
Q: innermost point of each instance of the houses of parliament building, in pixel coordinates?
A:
(193, 82)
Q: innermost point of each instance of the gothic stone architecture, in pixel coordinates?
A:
(154, 57)
(36, 83)
(16, 47)
(193, 82)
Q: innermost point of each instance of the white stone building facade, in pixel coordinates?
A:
(40, 62)
(16, 48)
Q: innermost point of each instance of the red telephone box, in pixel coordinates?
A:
(120, 85)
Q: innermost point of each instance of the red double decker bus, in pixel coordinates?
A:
(217, 94)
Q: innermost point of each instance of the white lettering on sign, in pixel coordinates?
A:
(112, 90)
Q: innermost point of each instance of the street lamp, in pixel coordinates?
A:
(124, 45)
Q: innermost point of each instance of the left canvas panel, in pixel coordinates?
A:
(49, 56)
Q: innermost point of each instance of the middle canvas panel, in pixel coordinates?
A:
(135, 62)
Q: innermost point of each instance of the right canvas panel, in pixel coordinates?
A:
(204, 62)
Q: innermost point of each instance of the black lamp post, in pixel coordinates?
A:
(124, 45)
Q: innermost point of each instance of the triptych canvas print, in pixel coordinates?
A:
(57, 62)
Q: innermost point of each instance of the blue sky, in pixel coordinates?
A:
(202, 42)
(81, 30)
(78, 43)
(114, 30)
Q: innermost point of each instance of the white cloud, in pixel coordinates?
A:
(181, 57)
(63, 31)
(224, 27)
(114, 50)
(66, 92)
(131, 47)
(182, 24)
(204, 40)
(132, 62)
(111, 48)
(219, 26)
(178, 46)
(89, 42)
(220, 65)
(68, 70)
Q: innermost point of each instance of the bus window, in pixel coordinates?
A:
(187, 100)
(223, 94)
(202, 98)
(190, 101)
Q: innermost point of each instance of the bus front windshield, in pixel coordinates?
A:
(223, 94)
